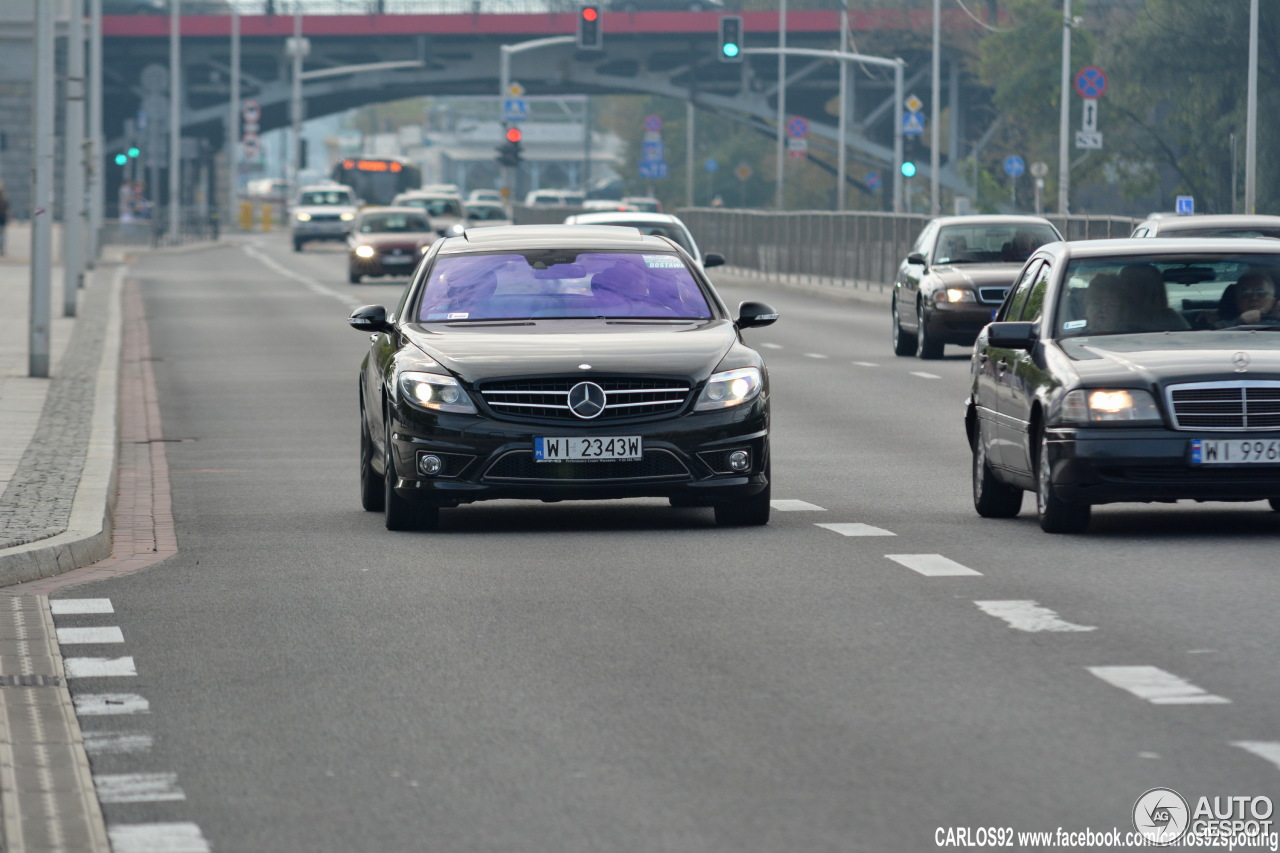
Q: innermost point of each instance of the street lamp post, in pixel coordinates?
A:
(1064, 161)
(935, 111)
(73, 225)
(175, 118)
(1251, 117)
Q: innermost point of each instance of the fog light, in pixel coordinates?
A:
(740, 460)
(429, 465)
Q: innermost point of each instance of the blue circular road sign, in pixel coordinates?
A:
(1091, 82)
(712, 164)
(1014, 166)
(653, 123)
(798, 128)
(872, 180)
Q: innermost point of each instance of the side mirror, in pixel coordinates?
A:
(712, 259)
(917, 258)
(751, 314)
(369, 318)
(1012, 335)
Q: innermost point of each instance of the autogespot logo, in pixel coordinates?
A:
(1161, 815)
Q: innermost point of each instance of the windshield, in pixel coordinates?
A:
(435, 206)
(1109, 296)
(1220, 231)
(561, 284)
(392, 223)
(325, 197)
(985, 244)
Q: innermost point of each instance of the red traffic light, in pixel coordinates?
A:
(590, 13)
(514, 135)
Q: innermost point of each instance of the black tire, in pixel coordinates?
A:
(400, 513)
(903, 344)
(929, 346)
(748, 512)
(1056, 515)
(992, 498)
(353, 277)
(371, 485)
(297, 245)
(1275, 503)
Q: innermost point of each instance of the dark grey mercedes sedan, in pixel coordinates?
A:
(561, 362)
(1129, 370)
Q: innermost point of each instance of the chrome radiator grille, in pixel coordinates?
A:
(1225, 406)
(545, 399)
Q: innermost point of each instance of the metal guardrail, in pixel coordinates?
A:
(860, 249)
(192, 227)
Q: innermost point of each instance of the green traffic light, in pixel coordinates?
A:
(730, 49)
(134, 152)
(909, 169)
(121, 159)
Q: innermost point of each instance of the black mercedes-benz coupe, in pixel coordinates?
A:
(561, 363)
(1130, 370)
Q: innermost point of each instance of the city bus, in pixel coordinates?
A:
(377, 180)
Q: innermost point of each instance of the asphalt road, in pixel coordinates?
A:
(624, 676)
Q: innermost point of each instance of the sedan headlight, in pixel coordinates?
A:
(1110, 406)
(347, 217)
(954, 294)
(365, 252)
(729, 388)
(435, 392)
(304, 217)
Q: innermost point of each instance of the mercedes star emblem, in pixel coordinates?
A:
(1241, 362)
(586, 400)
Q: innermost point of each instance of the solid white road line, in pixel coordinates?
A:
(105, 634)
(103, 704)
(924, 375)
(1029, 616)
(138, 787)
(157, 838)
(932, 565)
(795, 506)
(1270, 750)
(105, 743)
(100, 667)
(307, 282)
(1155, 685)
(856, 529)
(68, 606)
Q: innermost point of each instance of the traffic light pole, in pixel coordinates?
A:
(899, 96)
(504, 83)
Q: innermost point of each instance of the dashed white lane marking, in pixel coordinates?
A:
(69, 606)
(795, 506)
(1270, 750)
(1029, 616)
(110, 743)
(866, 364)
(157, 838)
(932, 565)
(104, 634)
(100, 667)
(924, 375)
(138, 787)
(771, 346)
(103, 704)
(856, 529)
(1155, 685)
(814, 355)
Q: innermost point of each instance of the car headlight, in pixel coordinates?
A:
(347, 217)
(304, 217)
(435, 392)
(1110, 405)
(365, 252)
(954, 294)
(729, 388)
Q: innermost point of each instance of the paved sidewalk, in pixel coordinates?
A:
(57, 434)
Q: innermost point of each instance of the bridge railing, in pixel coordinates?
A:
(861, 249)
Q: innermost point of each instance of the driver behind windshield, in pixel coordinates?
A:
(1250, 301)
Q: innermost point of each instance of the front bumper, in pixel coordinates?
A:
(385, 264)
(1098, 466)
(321, 230)
(489, 459)
(958, 322)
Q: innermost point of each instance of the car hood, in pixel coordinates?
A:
(392, 241)
(976, 275)
(475, 352)
(313, 209)
(1163, 357)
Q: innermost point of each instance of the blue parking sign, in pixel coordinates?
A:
(1186, 205)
